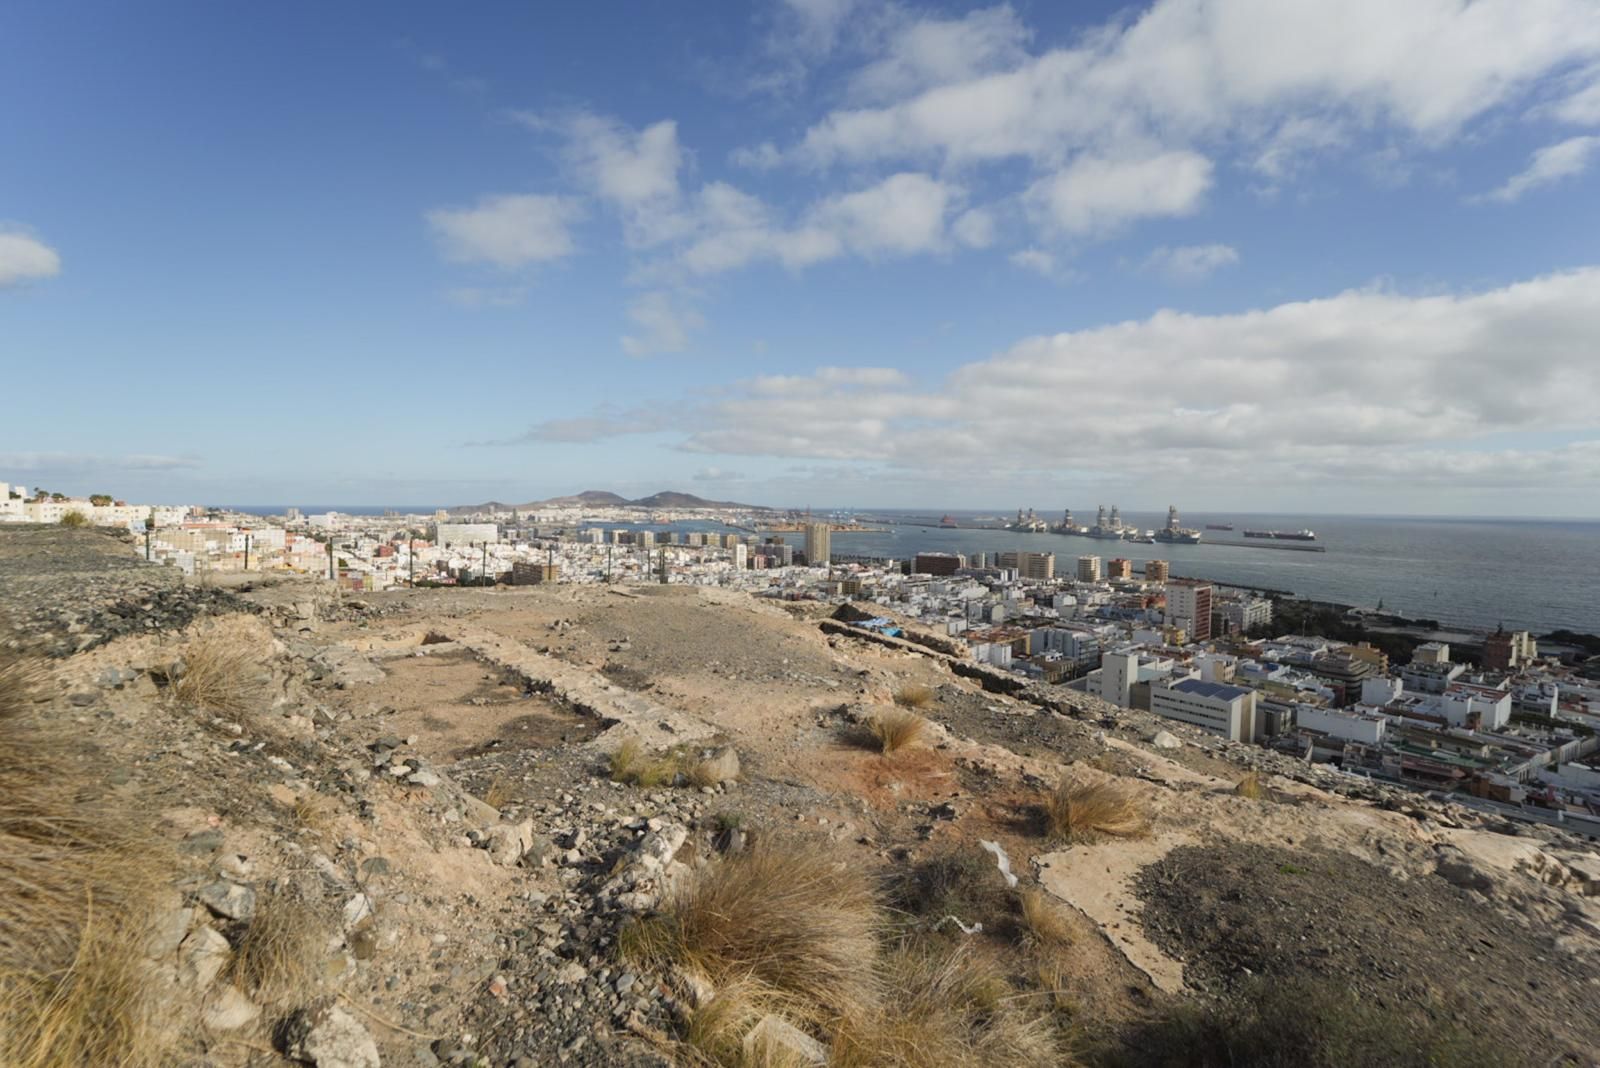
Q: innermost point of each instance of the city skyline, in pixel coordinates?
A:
(1271, 258)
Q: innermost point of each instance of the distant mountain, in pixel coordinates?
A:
(598, 497)
(607, 499)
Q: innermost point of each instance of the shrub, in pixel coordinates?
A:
(794, 925)
(896, 728)
(223, 671)
(1250, 786)
(914, 695)
(74, 519)
(77, 886)
(1078, 812)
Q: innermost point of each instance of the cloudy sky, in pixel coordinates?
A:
(1270, 255)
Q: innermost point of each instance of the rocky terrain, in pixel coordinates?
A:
(450, 827)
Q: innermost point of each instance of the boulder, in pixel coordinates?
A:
(1166, 740)
(228, 899)
(722, 766)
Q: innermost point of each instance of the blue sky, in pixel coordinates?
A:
(1236, 254)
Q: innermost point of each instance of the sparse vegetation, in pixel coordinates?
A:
(914, 695)
(947, 1007)
(631, 763)
(1079, 812)
(74, 518)
(77, 884)
(1250, 786)
(896, 728)
(796, 932)
(223, 672)
(279, 953)
(1301, 1023)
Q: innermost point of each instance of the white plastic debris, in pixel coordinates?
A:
(976, 928)
(1001, 861)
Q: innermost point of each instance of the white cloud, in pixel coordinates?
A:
(24, 258)
(921, 53)
(818, 21)
(1188, 263)
(1094, 194)
(1582, 107)
(1367, 384)
(1035, 259)
(903, 214)
(975, 228)
(1186, 70)
(507, 231)
(664, 326)
(1550, 164)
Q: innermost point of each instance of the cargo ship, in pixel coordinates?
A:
(1282, 535)
(1219, 526)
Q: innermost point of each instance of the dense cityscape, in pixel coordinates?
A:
(1502, 722)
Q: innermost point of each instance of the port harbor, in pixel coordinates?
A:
(1108, 526)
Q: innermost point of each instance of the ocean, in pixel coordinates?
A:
(1537, 575)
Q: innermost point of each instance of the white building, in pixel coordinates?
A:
(1461, 703)
(1341, 723)
(1089, 569)
(1381, 690)
(1229, 711)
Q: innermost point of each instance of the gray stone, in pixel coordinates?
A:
(722, 766)
(228, 899)
(329, 1037)
(1166, 740)
(775, 1040)
(230, 1010)
(167, 933)
(201, 956)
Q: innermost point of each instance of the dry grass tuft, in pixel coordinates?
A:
(896, 728)
(796, 922)
(947, 1008)
(223, 671)
(914, 695)
(77, 885)
(280, 954)
(498, 793)
(314, 812)
(1043, 920)
(630, 763)
(1078, 812)
(1250, 786)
